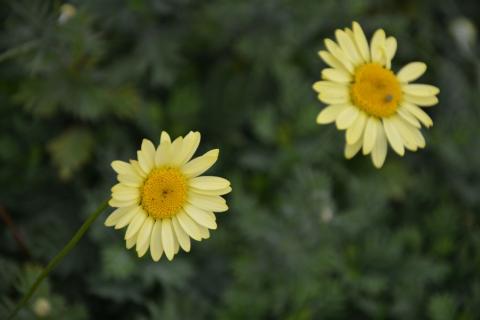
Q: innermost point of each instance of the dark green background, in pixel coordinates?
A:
(309, 235)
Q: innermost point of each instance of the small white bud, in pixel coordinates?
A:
(327, 214)
(41, 307)
(465, 34)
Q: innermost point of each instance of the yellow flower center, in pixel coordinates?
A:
(376, 90)
(164, 192)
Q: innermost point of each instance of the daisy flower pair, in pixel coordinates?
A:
(163, 199)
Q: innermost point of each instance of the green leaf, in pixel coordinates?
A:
(71, 150)
(442, 307)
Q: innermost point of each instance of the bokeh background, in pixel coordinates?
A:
(309, 235)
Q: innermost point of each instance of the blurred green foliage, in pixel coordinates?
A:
(309, 234)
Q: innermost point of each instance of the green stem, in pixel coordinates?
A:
(56, 260)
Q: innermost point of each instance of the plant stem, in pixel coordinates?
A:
(56, 260)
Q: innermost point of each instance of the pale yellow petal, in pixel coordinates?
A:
(361, 42)
(370, 135)
(377, 46)
(190, 226)
(127, 217)
(149, 150)
(138, 169)
(146, 155)
(350, 34)
(406, 132)
(126, 194)
(208, 203)
(143, 249)
(419, 139)
(352, 149)
(176, 154)
(168, 240)
(212, 215)
(131, 242)
(348, 47)
(120, 187)
(355, 131)
(421, 101)
(379, 152)
(393, 136)
(204, 232)
(421, 90)
(330, 113)
(190, 145)
(156, 247)
(332, 88)
(200, 216)
(122, 203)
(181, 235)
(165, 138)
(200, 164)
(336, 75)
(407, 116)
(116, 215)
(347, 117)
(130, 180)
(411, 71)
(209, 182)
(126, 197)
(334, 99)
(337, 90)
(176, 244)
(338, 54)
(216, 192)
(418, 113)
(390, 49)
(144, 234)
(122, 167)
(333, 62)
(136, 224)
(162, 155)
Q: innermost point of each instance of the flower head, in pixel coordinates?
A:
(369, 101)
(67, 12)
(162, 198)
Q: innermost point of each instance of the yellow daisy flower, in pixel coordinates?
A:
(369, 101)
(162, 198)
